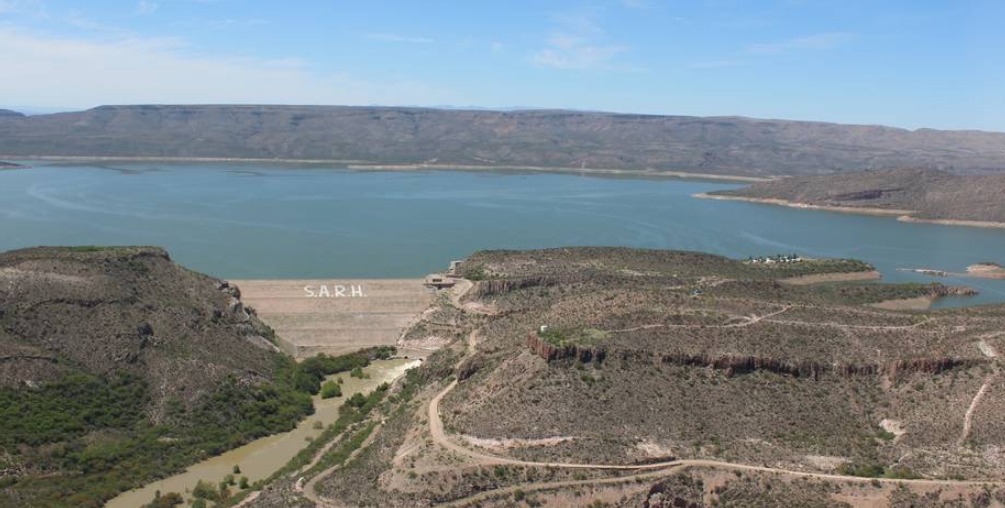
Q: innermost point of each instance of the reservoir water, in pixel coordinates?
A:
(272, 221)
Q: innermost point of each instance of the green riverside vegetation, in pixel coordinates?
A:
(94, 429)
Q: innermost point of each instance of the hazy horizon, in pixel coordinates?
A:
(33, 111)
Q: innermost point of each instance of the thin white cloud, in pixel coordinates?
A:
(566, 51)
(391, 37)
(84, 73)
(29, 7)
(821, 41)
(580, 43)
(146, 7)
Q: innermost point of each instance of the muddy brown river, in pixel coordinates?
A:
(262, 457)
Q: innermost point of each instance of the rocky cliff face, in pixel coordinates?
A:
(497, 287)
(551, 352)
(741, 364)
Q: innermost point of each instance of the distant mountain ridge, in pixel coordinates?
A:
(533, 138)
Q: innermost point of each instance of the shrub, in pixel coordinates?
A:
(358, 400)
(168, 500)
(330, 389)
(204, 490)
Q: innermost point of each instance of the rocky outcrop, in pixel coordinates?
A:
(501, 286)
(739, 364)
(941, 290)
(551, 352)
(681, 491)
(745, 364)
(469, 367)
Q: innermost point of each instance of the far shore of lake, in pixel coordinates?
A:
(360, 165)
(901, 215)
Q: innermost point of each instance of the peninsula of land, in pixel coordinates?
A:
(660, 378)
(911, 195)
(985, 270)
(11, 165)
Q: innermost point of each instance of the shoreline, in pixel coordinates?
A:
(361, 165)
(901, 215)
(5, 165)
(972, 271)
(915, 303)
(953, 222)
(821, 278)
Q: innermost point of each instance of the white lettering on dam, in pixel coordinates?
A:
(334, 291)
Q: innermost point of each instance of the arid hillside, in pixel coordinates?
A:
(650, 355)
(922, 194)
(620, 377)
(546, 139)
(117, 366)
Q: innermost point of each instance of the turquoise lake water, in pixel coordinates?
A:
(261, 221)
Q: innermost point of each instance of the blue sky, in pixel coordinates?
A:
(910, 64)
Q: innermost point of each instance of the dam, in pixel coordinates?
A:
(336, 316)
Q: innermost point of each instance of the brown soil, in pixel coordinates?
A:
(832, 277)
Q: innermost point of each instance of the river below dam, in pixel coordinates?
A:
(261, 221)
(260, 458)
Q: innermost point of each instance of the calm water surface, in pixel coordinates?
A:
(259, 221)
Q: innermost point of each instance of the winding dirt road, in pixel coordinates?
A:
(646, 471)
(657, 469)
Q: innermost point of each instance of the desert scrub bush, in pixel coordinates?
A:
(563, 336)
(475, 273)
(330, 390)
(168, 500)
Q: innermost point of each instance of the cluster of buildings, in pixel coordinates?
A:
(777, 258)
